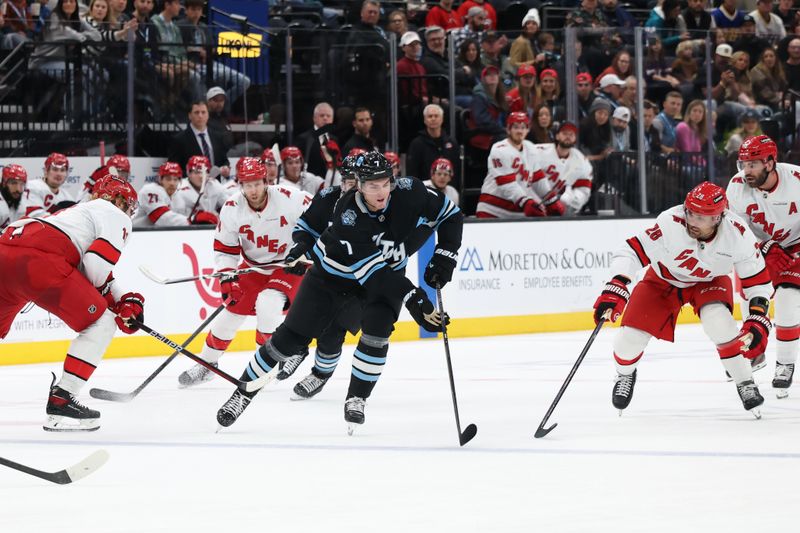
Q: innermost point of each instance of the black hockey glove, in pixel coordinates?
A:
(293, 259)
(423, 312)
(439, 271)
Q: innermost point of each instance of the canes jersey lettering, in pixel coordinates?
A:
(772, 215)
(184, 199)
(513, 179)
(38, 199)
(156, 208)
(570, 178)
(10, 214)
(308, 182)
(259, 237)
(683, 261)
(99, 231)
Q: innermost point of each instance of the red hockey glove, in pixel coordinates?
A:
(533, 209)
(205, 217)
(130, 306)
(230, 288)
(614, 297)
(556, 209)
(776, 257)
(755, 329)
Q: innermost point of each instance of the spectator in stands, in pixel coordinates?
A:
(397, 23)
(595, 132)
(618, 17)
(721, 74)
(611, 89)
(367, 59)
(768, 25)
(441, 174)
(748, 127)
(492, 45)
(583, 86)
(741, 90)
(442, 15)
(430, 144)
(198, 139)
(786, 12)
(630, 96)
(175, 65)
(488, 109)
(748, 41)
(792, 65)
(590, 19)
(690, 134)
(217, 117)
(547, 53)
(769, 81)
(620, 133)
(435, 62)
(668, 120)
(362, 138)
(728, 18)
(541, 131)
(620, 65)
(491, 14)
(18, 24)
(412, 87)
(309, 140)
(522, 49)
(117, 13)
(685, 66)
(668, 23)
(652, 139)
(657, 72)
(549, 93)
(468, 71)
(473, 28)
(523, 96)
(697, 19)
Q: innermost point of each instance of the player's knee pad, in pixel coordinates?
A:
(629, 343)
(269, 310)
(718, 323)
(91, 343)
(226, 325)
(787, 307)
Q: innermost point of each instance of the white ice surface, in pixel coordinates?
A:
(684, 457)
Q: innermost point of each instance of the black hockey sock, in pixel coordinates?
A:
(325, 364)
(368, 362)
(262, 362)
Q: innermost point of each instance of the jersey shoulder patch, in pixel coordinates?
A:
(737, 180)
(404, 183)
(325, 192)
(349, 218)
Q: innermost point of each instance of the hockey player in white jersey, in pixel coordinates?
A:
(156, 202)
(689, 255)
(47, 194)
(199, 191)
(766, 194)
(63, 263)
(295, 176)
(567, 170)
(514, 186)
(255, 230)
(12, 187)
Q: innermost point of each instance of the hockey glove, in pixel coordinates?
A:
(556, 209)
(205, 217)
(130, 306)
(423, 312)
(439, 271)
(55, 208)
(293, 259)
(614, 297)
(230, 288)
(533, 209)
(755, 329)
(776, 257)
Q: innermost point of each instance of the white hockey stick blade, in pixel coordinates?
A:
(87, 466)
(149, 274)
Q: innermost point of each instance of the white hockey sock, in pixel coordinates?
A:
(721, 328)
(85, 353)
(787, 324)
(269, 314)
(629, 345)
(223, 330)
(739, 368)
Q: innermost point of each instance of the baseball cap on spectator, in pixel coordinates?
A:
(548, 73)
(214, 91)
(567, 125)
(409, 37)
(750, 114)
(583, 77)
(488, 69)
(526, 70)
(724, 50)
(747, 19)
(622, 113)
(532, 14)
(599, 103)
(475, 11)
(611, 79)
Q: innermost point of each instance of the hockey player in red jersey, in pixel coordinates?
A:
(689, 254)
(766, 194)
(155, 202)
(12, 187)
(255, 230)
(63, 263)
(47, 195)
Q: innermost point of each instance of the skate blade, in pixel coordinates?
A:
(297, 398)
(781, 394)
(64, 424)
(619, 412)
(196, 383)
(350, 428)
(756, 412)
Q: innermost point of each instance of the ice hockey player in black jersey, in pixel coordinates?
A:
(362, 254)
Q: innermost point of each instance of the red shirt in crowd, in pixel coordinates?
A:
(413, 90)
(491, 14)
(439, 16)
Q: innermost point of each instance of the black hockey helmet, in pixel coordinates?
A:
(372, 166)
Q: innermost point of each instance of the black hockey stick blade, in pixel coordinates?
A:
(468, 434)
(69, 475)
(542, 432)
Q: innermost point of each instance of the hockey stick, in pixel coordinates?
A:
(207, 175)
(471, 430)
(124, 397)
(541, 431)
(245, 386)
(68, 475)
(170, 281)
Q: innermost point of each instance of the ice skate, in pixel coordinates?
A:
(65, 413)
(194, 376)
(783, 379)
(288, 367)
(751, 398)
(234, 407)
(623, 391)
(308, 387)
(354, 413)
(756, 363)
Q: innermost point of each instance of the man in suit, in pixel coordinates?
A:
(198, 139)
(308, 141)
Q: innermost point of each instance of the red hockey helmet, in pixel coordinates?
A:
(442, 164)
(356, 152)
(250, 169)
(291, 152)
(56, 160)
(758, 148)
(517, 117)
(170, 169)
(267, 157)
(706, 199)
(198, 162)
(392, 158)
(120, 162)
(109, 187)
(14, 172)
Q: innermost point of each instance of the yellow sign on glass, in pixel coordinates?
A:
(237, 45)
